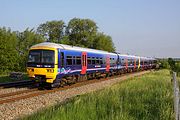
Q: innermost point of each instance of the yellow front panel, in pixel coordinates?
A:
(50, 73)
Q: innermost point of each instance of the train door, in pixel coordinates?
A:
(118, 62)
(84, 62)
(62, 60)
(107, 63)
(139, 63)
(126, 59)
(134, 63)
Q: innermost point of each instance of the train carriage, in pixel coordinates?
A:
(57, 64)
(51, 63)
(128, 63)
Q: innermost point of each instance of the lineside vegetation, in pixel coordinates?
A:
(146, 97)
(14, 45)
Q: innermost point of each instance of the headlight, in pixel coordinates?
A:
(50, 70)
(30, 70)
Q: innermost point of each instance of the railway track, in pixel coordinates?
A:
(24, 94)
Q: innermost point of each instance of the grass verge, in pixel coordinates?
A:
(148, 97)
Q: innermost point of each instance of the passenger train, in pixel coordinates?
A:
(54, 64)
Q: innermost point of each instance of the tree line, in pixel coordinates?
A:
(14, 45)
(170, 64)
(174, 66)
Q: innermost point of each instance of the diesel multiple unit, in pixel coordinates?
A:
(57, 64)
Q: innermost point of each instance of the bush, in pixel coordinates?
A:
(177, 68)
(164, 64)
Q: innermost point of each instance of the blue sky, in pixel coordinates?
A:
(141, 27)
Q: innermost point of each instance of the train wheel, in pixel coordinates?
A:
(107, 75)
(62, 83)
(73, 79)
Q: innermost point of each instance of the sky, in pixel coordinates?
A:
(139, 27)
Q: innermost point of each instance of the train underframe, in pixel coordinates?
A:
(72, 79)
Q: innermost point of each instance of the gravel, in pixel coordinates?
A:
(28, 106)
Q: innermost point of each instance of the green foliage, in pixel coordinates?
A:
(103, 42)
(65, 40)
(52, 30)
(171, 63)
(14, 46)
(177, 68)
(8, 54)
(81, 31)
(164, 64)
(84, 33)
(149, 97)
(25, 40)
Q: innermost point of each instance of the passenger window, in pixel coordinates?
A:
(69, 60)
(129, 62)
(93, 60)
(78, 60)
(74, 60)
(100, 61)
(89, 60)
(97, 60)
(137, 62)
(104, 60)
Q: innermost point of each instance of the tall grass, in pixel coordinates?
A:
(149, 97)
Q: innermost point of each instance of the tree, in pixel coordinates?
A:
(14, 46)
(164, 63)
(8, 53)
(177, 68)
(171, 63)
(65, 40)
(81, 32)
(53, 31)
(25, 40)
(103, 42)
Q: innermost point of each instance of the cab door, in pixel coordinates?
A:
(84, 62)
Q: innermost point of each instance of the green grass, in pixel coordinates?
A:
(149, 97)
(6, 78)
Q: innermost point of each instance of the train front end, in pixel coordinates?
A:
(42, 64)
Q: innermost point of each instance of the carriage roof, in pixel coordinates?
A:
(69, 47)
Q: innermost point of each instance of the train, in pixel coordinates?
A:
(54, 65)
